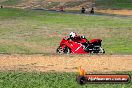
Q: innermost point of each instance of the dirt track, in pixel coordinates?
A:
(66, 63)
(117, 12)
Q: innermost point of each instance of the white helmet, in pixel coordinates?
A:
(72, 34)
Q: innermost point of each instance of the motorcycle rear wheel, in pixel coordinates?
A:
(101, 50)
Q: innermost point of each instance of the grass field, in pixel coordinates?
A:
(30, 31)
(114, 4)
(48, 80)
(11, 2)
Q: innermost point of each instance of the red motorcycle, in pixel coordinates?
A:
(80, 46)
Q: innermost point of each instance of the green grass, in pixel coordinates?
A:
(114, 4)
(30, 31)
(49, 80)
(11, 2)
(13, 49)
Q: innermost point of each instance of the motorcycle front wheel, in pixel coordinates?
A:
(66, 50)
(59, 50)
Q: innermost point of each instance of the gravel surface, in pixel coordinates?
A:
(66, 63)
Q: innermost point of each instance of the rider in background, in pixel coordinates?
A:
(82, 10)
(92, 11)
(61, 8)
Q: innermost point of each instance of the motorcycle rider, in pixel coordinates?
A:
(80, 39)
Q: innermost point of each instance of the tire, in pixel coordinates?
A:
(66, 50)
(59, 50)
(101, 50)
